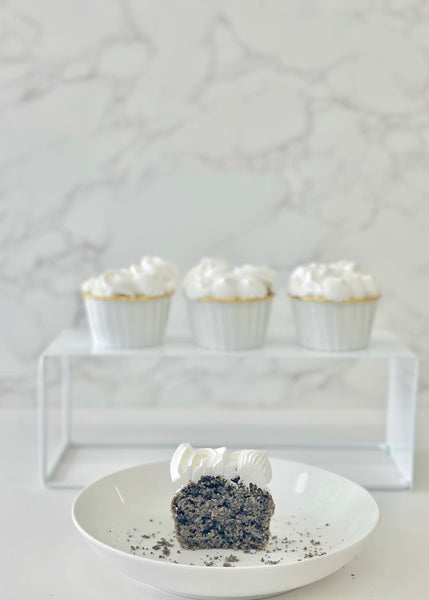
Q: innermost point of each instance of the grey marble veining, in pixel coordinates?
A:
(274, 132)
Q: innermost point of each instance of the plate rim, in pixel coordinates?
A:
(295, 564)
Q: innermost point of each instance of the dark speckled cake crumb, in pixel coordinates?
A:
(220, 513)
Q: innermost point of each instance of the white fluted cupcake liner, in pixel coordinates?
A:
(229, 325)
(335, 326)
(127, 323)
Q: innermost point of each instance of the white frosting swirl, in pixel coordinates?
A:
(219, 279)
(190, 464)
(338, 282)
(152, 277)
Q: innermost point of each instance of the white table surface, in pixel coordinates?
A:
(42, 556)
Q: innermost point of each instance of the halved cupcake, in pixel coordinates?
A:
(128, 308)
(222, 498)
(228, 305)
(334, 305)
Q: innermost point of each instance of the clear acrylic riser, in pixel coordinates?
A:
(344, 441)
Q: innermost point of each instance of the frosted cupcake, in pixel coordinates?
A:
(128, 308)
(228, 305)
(334, 305)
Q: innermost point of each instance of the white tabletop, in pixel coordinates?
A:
(42, 556)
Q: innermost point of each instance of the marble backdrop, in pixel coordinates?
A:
(273, 132)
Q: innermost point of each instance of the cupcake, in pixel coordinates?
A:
(128, 308)
(333, 305)
(228, 305)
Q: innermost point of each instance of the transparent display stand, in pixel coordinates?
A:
(67, 460)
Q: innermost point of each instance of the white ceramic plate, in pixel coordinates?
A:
(320, 522)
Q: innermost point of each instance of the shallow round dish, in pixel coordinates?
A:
(320, 522)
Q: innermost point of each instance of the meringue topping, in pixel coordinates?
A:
(190, 464)
(338, 281)
(152, 277)
(218, 279)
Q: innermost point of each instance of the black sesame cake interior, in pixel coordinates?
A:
(216, 512)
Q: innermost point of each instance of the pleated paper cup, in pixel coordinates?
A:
(333, 326)
(229, 324)
(127, 322)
